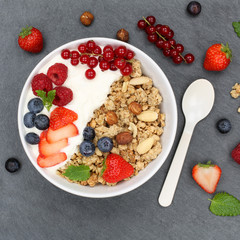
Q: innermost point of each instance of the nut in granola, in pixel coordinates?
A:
(145, 146)
(135, 108)
(139, 80)
(111, 118)
(147, 116)
(124, 138)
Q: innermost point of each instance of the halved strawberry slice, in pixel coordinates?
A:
(207, 176)
(47, 149)
(51, 160)
(61, 117)
(65, 132)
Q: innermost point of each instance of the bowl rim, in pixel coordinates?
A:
(105, 194)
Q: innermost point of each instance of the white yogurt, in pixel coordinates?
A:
(88, 95)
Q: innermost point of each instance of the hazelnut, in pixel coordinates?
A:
(123, 35)
(111, 117)
(135, 108)
(124, 138)
(86, 18)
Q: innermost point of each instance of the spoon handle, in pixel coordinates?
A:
(171, 181)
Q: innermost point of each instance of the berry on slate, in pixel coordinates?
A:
(63, 96)
(151, 19)
(41, 82)
(116, 168)
(28, 119)
(194, 8)
(12, 165)
(207, 176)
(236, 154)
(35, 105)
(88, 133)
(142, 24)
(32, 138)
(58, 73)
(218, 57)
(105, 144)
(87, 148)
(30, 39)
(41, 122)
(189, 58)
(224, 125)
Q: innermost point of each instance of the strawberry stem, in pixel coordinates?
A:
(227, 51)
(26, 31)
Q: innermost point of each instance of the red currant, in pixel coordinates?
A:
(179, 47)
(142, 24)
(170, 34)
(152, 38)
(164, 29)
(177, 59)
(130, 54)
(174, 52)
(107, 48)
(75, 54)
(104, 65)
(84, 59)
(100, 58)
(151, 19)
(90, 74)
(166, 52)
(127, 70)
(97, 50)
(166, 45)
(158, 26)
(120, 63)
(150, 30)
(92, 62)
(82, 48)
(121, 51)
(159, 43)
(74, 62)
(90, 45)
(112, 66)
(172, 42)
(108, 55)
(189, 58)
(65, 54)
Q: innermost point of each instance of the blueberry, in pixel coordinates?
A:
(41, 122)
(105, 144)
(224, 125)
(35, 105)
(12, 165)
(88, 133)
(29, 119)
(32, 138)
(87, 148)
(194, 8)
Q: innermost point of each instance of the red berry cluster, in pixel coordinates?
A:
(162, 36)
(109, 58)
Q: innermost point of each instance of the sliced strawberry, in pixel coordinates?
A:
(51, 160)
(207, 176)
(61, 117)
(65, 132)
(47, 149)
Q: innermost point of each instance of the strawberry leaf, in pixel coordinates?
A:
(25, 31)
(206, 165)
(227, 51)
(47, 98)
(236, 26)
(224, 204)
(77, 173)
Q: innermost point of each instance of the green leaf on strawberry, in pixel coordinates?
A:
(236, 26)
(224, 204)
(77, 173)
(47, 98)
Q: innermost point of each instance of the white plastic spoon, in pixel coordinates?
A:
(197, 103)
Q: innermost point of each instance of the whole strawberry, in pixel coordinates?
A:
(116, 169)
(236, 154)
(217, 57)
(30, 39)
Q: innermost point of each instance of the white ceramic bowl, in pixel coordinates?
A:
(168, 106)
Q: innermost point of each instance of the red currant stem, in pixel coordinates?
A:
(164, 39)
(94, 54)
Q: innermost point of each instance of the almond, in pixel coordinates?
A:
(135, 108)
(139, 80)
(111, 117)
(133, 128)
(147, 116)
(124, 138)
(145, 145)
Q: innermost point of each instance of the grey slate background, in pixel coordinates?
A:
(32, 208)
